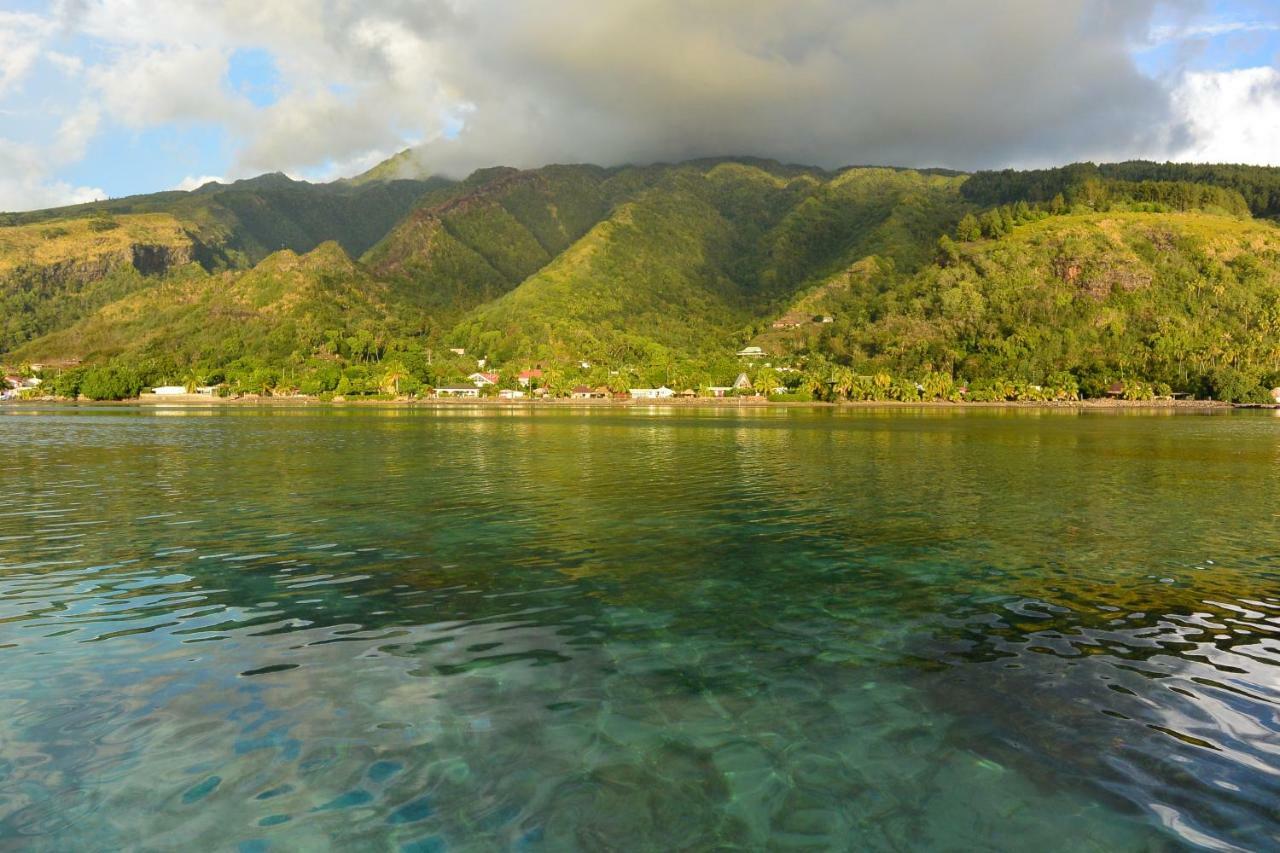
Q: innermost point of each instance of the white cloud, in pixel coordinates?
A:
(1207, 30)
(21, 41)
(25, 183)
(192, 182)
(173, 84)
(968, 83)
(1234, 116)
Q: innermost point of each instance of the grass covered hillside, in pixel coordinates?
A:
(698, 256)
(288, 309)
(55, 272)
(1084, 300)
(864, 283)
(239, 224)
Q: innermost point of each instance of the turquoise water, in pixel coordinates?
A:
(634, 629)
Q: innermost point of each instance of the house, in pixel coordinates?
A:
(458, 391)
(751, 352)
(541, 393)
(527, 376)
(742, 383)
(789, 321)
(509, 394)
(1275, 395)
(662, 393)
(482, 379)
(457, 351)
(586, 392)
(824, 318)
(169, 390)
(13, 381)
(206, 390)
(719, 390)
(687, 393)
(1115, 389)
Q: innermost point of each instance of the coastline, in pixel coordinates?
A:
(198, 401)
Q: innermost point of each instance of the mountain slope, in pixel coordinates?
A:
(286, 307)
(1191, 300)
(661, 273)
(53, 273)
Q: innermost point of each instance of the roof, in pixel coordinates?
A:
(582, 389)
(491, 377)
(531, 374)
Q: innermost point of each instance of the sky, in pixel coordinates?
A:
(104, 98)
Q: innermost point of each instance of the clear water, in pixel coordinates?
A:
(471, 630)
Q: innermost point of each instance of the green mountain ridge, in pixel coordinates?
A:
(1015, 283)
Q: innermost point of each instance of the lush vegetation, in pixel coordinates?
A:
(1134, 280)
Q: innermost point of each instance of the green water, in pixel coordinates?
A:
(479, 629)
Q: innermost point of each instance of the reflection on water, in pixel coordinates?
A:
(427, 630)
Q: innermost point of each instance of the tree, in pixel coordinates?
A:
(392, 375)
(968, 230)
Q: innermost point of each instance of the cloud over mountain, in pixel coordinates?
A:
(326, 87)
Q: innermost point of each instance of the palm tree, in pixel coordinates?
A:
(391, 377)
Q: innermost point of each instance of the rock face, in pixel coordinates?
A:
(52, 276)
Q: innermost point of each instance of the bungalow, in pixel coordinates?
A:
(751, 352)
(457, 351)
(719, 390)
(742, 383)
(652, 393)
(206, 390)
(510, 394)
(527, 376)
(586, 392)
(13, 382)
(169, 390)
(687, 393)
(1275, 395)
(482, 379)
(824, 318)
(457, 391)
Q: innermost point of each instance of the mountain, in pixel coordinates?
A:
(867, 280)
(56, 265)
(287, 310)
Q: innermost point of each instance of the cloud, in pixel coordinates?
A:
(1234, 116)
(27, 179)
(21, 39)
(962, 83)
(25, 182)
(193, 182)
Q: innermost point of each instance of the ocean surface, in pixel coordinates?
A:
(641, 629)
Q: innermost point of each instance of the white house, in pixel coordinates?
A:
(510, 394)
(169, 390)
(458, 391)
(482, 379)
(751, 352)
(652, 393)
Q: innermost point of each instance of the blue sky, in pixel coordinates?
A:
(112, 97)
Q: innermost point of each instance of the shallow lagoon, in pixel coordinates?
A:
(474, 629)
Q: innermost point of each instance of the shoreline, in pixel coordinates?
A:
(198, 401)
